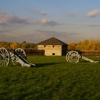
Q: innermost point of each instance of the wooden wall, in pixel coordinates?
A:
(51, 50)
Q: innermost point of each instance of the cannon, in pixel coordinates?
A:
(16, 56)
(75, 56)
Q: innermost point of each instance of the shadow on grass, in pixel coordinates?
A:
(44, 64)
(37, 65)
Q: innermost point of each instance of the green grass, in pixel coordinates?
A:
(52, 79)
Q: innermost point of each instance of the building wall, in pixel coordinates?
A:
(51, 49)
(41, 47)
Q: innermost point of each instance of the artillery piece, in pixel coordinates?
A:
(17, 56)
(75, 56)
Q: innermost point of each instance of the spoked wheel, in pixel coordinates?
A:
(73, 57)
(21, 52)
(4, 57)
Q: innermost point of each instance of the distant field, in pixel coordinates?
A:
(52, 79)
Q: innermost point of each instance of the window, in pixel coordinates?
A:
(53, 46)
(53, 53)
(44, 46)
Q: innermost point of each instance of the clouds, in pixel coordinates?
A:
(6, 19)
(55, 33)
(86, 25)
(16, 28)
(35, 36)
(40, 25)
(65, 36)
(40, 13)
(43, 13)
(93, 25)
(16, 37)
(90, 14)
(46, 22)
(12, 19)
(49, 22)
(93, 13)
(37, 11)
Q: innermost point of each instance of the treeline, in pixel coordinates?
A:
(30, 48)
(14, 45)
(86, 45)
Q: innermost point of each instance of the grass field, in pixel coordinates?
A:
(52, 79)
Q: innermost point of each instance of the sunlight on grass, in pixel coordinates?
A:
(52, 79)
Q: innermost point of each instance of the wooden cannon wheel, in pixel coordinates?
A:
(4, 57)
(73, 57)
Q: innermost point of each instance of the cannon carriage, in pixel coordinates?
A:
(75, 56)
(17, 56)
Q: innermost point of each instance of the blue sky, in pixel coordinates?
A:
(38, 20)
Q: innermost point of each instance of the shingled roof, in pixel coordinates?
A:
(52, 41)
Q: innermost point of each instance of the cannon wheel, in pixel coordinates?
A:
(4, 57)
(73, 57)
(21, 52)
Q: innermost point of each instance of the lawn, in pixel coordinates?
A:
(52, 79)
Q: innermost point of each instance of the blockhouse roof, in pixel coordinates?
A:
(52, 41)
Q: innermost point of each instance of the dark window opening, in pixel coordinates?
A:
(53, 53)
(44, 45)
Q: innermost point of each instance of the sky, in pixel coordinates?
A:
(37, 20)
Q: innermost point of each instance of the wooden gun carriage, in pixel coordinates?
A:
(16, 56)
(19, 56)
(75, 56)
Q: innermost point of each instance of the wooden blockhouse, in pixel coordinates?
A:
(53, 46)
